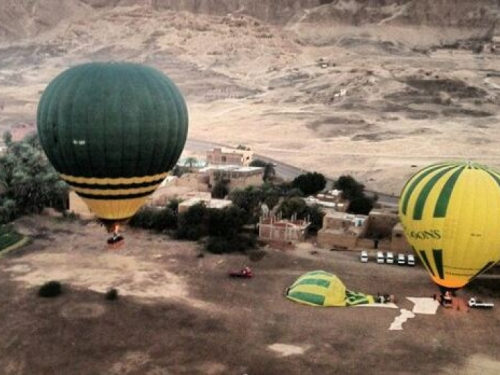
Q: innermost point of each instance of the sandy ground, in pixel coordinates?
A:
(180, 314)
(251, 83)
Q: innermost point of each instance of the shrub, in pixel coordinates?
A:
(192, 224)
(112, 294)
(155, 219)
(221, 245)
(50, 289)
(310, 183)
(218, 245)
(220, 189)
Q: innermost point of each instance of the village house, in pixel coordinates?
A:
(229, 156)
(208, 202)
(273, 228)
(330, 200)
(379, 230)
(341, 230)
(236, 176)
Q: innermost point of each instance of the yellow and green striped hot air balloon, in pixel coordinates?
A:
(451, 217)
(112, 131)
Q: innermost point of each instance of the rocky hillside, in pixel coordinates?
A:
(28, 18)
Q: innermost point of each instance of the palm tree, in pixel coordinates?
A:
(190, 161)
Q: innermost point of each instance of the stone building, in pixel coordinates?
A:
(209, 203)
(380, 230)
(235, 176)
(229, 156)
(272, 228)
(341, 230)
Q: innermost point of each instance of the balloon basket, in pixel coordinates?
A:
(115, 243)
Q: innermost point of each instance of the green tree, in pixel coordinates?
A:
(292, 206)
(351, 189)
(227, 222)
(29, 181)
(193, 224)
(249, 200)
(269, 171)
(7, 138)
(220, 189)
(315, 215)
(310, 183)
(361, 205)
(190, 162)
(354, 192)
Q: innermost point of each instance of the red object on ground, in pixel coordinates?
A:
(116, 242)
(245, 272)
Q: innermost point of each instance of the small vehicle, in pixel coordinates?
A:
(380, 257)
(389, 257)
(363, 256)
(479, 304)
(410, 260)
(401, 259)
(245, 273)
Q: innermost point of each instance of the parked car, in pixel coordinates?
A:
(363, 256)
(389, 257)
(401, 259)
(480, 304)
(410, 260)
(380, 257)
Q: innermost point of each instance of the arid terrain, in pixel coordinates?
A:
(375, 89)
(180, 314)
(339, 87)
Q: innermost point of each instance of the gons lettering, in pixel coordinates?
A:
(433, 234)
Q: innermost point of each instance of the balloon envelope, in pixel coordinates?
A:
(451, 217)
(112, 131)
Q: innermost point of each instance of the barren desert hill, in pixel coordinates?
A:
(475, 18)
(338, 87)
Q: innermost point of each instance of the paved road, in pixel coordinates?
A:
(287, 171)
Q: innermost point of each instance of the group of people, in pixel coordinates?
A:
(384, 298)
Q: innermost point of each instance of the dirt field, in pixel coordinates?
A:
(180, 314)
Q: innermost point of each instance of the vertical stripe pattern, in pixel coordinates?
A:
(451, 217)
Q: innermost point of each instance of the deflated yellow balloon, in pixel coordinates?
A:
(451, 217)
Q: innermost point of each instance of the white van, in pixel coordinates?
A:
(363, 256)
(401, 259)
(380, 257)
(389, 258)
(411, 260)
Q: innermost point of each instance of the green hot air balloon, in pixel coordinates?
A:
(112, 131)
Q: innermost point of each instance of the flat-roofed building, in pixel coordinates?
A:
(210, 203)
(282, 230)
(236, 176)
(229, 156)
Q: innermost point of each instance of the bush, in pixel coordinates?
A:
(351, 189)
(220, 190)
(310, 183)
(192, 224)
(50, 289)
(8, 236)
(294, 205)
(361, 205)
(112, 294)
(155, 219)
(316, 217)
(218, 245)
(221, 245)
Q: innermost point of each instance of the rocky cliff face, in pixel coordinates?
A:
(27, 18)
(438, 13)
